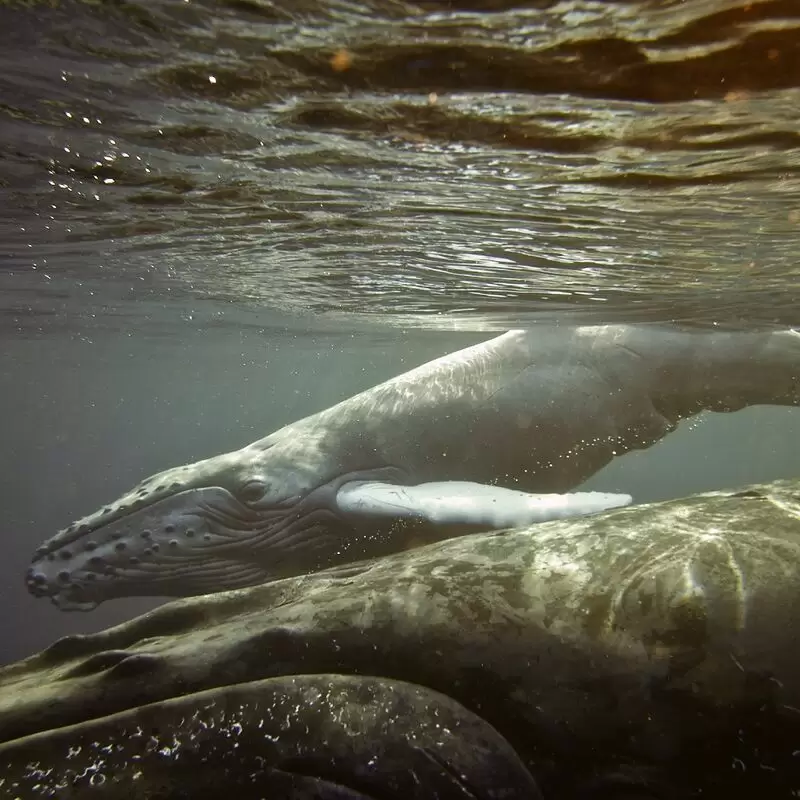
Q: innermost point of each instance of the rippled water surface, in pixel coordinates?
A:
(467, 163)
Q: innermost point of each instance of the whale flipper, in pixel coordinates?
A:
(467, 503)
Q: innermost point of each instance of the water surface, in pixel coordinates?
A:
(437, 164)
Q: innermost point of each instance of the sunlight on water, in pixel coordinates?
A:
(445, 169)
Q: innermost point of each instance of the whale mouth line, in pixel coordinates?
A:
(63, 603)
(204, 571)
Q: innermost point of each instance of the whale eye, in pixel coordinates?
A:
(252, 491)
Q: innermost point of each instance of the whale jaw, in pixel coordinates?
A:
(185, 543)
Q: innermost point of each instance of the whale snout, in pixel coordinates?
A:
(176, 544)
(66, 595)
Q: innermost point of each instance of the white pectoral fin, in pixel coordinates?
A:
(460, 502)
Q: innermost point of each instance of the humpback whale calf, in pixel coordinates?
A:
(488, 437)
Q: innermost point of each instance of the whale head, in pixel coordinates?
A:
(230, 521)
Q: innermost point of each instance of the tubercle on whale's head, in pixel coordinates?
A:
(188, 530)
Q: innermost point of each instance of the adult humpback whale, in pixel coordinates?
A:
(537, 410)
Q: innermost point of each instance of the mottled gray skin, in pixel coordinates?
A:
(649, 652)
(310, 736)
(538, 410)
